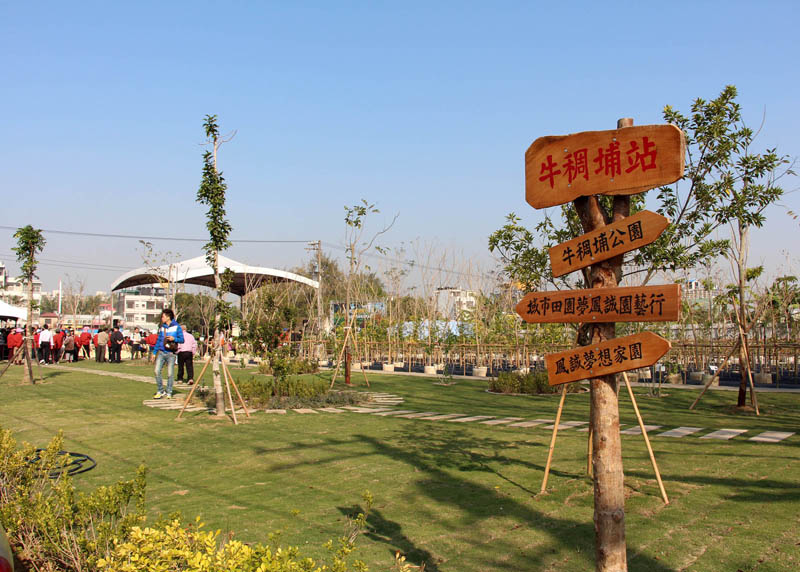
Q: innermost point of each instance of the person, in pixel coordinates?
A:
(170, 335)
(186, 353)
(86, 340)
(151, 340)
(100, 344)
(136, 344)
(14, 341)
(45, 344)
(58, 343)
(115, 346)
(69, 346)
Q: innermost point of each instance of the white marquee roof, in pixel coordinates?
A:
(197, 271)
(9, 311)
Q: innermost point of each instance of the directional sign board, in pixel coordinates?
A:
(612, 240)
(625, 161)
(629, 304)
(613, 356)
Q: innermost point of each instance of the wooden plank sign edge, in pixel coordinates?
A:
(603, 242)
(563, 188)
(651, 348)
(660, 303)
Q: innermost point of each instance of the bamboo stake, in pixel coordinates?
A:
(553, 439)
(341, 353)
(241, 400)
(228, 387)
(11, 360)
(194, 387)
(646, 438)
(716, 375)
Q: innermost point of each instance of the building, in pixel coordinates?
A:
(696, 290)
(140, 306)
(452, 303)
(14, 291)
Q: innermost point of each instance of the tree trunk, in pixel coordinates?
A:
(27, 370)
(609, 491)
(219, 396)
(744, 353)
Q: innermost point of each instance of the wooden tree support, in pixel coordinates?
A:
(342, 354)
(553, 438)
(589, 446)
(228, 383)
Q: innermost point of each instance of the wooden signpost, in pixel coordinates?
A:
(626, 161)
(606, 358)
(627, 304)
(619, 162)
(612, 240)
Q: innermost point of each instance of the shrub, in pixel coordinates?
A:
(281, 365)
(172, 545)
(52, 527)
(293, 392)
(50, 524)
(533, 383)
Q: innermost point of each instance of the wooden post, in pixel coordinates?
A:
(646, 438)
(195, 386)
(609, 488)
(553, 439)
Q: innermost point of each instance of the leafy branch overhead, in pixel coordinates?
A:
(725, 182)
(212, 194)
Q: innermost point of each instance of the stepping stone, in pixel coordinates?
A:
(441, 417)
(278, 411)
(680, 432)
(724, 434)
(771, 436)
(501, 421)
(366, 409)
(533, 423)
(567, 425)
(473, 418)
(418, 415)
(331, 410)
(636, 430)
(387, 413)
(303, 411)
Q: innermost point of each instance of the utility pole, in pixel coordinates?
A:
(317, 246)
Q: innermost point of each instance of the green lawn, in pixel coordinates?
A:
(455, 496)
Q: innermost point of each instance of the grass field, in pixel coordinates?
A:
(456, 496)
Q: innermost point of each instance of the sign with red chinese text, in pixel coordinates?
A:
(627, 304)
(613, 356)
(612, 240)
(624, 161)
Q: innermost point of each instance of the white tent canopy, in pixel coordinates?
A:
(197, 271)
(7, 311)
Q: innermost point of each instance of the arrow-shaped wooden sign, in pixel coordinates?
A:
(624, 161)
(612, 240)
(627, 304)
(613, 356)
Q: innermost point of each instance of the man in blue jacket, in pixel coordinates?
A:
(170, 335)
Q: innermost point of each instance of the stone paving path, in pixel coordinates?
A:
(383, 405)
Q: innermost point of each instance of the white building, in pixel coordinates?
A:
(140, 306)
(452, 303)
(14, 291)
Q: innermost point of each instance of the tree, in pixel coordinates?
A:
(212, 194)
(30, 242)
(730, 185)
(73, 296)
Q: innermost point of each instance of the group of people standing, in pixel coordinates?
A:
(170, 345)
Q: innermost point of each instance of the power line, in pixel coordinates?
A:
(172, 238)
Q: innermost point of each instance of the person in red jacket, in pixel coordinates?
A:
(14, 341)
(58, 342)
(151, 341)
(86, 340)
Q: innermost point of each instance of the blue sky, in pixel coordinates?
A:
(425, 108)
